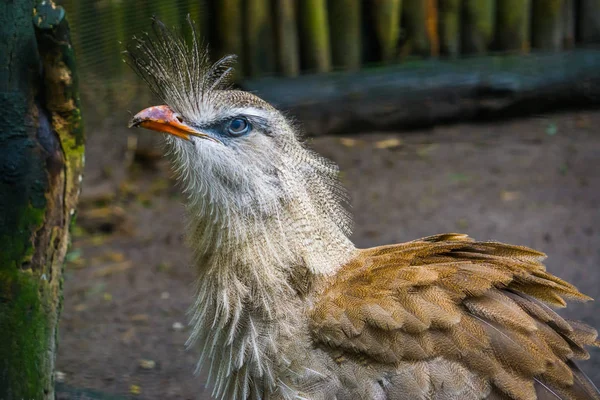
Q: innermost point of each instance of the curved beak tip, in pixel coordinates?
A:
(163, 119)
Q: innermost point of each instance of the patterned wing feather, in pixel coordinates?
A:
(484, 306)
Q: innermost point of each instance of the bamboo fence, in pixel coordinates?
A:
(292, 37)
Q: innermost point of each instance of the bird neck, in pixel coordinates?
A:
(265, 258)
(256, 278)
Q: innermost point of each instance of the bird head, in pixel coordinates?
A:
(232, 151)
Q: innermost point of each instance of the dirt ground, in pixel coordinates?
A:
(128, 282)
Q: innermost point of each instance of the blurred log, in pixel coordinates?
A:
(479, 22)
(450, 13)
(513, 25)
(229, 32)
(386, 23)
(547, 32)
(260, 54)
(314, 35)
(421, 20)
(435, 91)
(41, 162)
(568, 24)
(288, 51)
(589, 21)
(345, 27)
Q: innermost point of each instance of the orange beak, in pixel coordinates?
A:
(163, 119)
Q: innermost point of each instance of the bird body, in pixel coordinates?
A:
(288, 308)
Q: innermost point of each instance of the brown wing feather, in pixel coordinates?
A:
(484, 305)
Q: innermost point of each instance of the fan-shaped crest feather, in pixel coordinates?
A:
(179, 73)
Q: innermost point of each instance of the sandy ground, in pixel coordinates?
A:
(128, 283)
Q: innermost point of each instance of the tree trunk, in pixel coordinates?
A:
(41, 160)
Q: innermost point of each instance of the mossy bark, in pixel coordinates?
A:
(346, 39)
(478, 25)
(314, 30)
(450, 11)
(386, 18)
(41, 161)
(547, 24)
(286, 26)
(513, 25)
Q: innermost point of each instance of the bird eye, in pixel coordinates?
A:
(238, 127)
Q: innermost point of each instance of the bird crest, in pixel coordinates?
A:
(179, 72)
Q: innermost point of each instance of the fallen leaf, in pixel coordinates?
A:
(112, 269)
(349, 142)
(164, 266)
(139, 317)
(107, 297)
(114, 256)
(80, 307)
(60, 376)
(135, 389)
(147, 364)
(509, 195)
(178, 326)
(392, 143)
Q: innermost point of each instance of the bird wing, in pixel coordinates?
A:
(482, 305)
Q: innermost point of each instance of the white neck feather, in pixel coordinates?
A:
(255, 271)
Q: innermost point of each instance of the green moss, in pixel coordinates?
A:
(23, 357)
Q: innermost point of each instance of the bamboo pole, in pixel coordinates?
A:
(386, 21)
(547, 24)
(198, 13)
(346, 40)
(314, 35)
(260, 55)
(568, 24)
(478, 25)
(228, 30)
(589, 21)
(450, 26)
(288, 52)
(513, 24)
(421, 20)
(167, 12)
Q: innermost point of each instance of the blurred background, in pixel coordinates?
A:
(477, 116)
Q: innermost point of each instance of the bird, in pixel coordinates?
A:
(287, 307)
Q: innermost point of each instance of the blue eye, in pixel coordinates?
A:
(238, 127)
